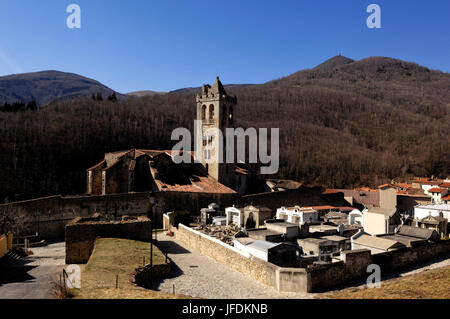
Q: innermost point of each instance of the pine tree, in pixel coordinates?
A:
(32, 106)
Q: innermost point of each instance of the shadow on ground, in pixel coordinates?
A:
(172, 248)
(13, 270)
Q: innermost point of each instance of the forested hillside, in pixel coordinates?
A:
(49, 86)
(344, 123)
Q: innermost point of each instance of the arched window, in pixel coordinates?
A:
(211, 112)
(204, 112)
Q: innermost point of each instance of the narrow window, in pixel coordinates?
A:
(204, 112)
(211, 112)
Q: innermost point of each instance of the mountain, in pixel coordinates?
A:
(194, 90)
(345, 123)
(145, 93)
(333, 63)
(48, 86)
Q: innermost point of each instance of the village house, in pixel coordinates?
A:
(408, 199)
(379, 220)
(437, 194)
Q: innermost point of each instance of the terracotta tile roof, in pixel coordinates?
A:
(446, 197)
(331, 191)
(97, 165)
(431, 183)
(385, 185)
(323, 207)
(414, 192)
(192, 178)
(345, 209)
(445, 185)
(241, 171)
(365, 189)
(362, 197)
(404, 185)
(436, 190)
(199, 184)
(175, 177)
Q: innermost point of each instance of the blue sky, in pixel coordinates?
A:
(164, 45)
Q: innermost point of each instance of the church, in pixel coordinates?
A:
(140, 170)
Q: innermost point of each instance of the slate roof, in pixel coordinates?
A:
(218, 88)
(377, 242)
(423, 233)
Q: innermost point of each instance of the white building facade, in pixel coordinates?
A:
(298, 215)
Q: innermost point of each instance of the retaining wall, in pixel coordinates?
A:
(282, 279)
(80, 237)
(48, 216)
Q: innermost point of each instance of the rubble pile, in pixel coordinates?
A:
(223, 233)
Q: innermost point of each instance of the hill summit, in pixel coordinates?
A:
(47, 86)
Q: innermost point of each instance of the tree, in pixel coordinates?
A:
(32, 106)
(99, 96)
(18, 106)
(112, 97)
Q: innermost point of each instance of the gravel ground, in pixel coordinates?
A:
(32, 277)
(201, 276)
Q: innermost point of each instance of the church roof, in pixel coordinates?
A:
(218, 88)
(169, 176)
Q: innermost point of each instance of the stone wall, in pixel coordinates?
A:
(351, 268)
(283, 279)
(48, 216)
(142, 275)
(80, 236)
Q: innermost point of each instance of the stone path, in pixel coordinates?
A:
(201, 276)
(32, 277)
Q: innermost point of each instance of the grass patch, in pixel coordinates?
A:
(112, 257)
(431, 284)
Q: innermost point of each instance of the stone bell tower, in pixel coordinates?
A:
(215, 110)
